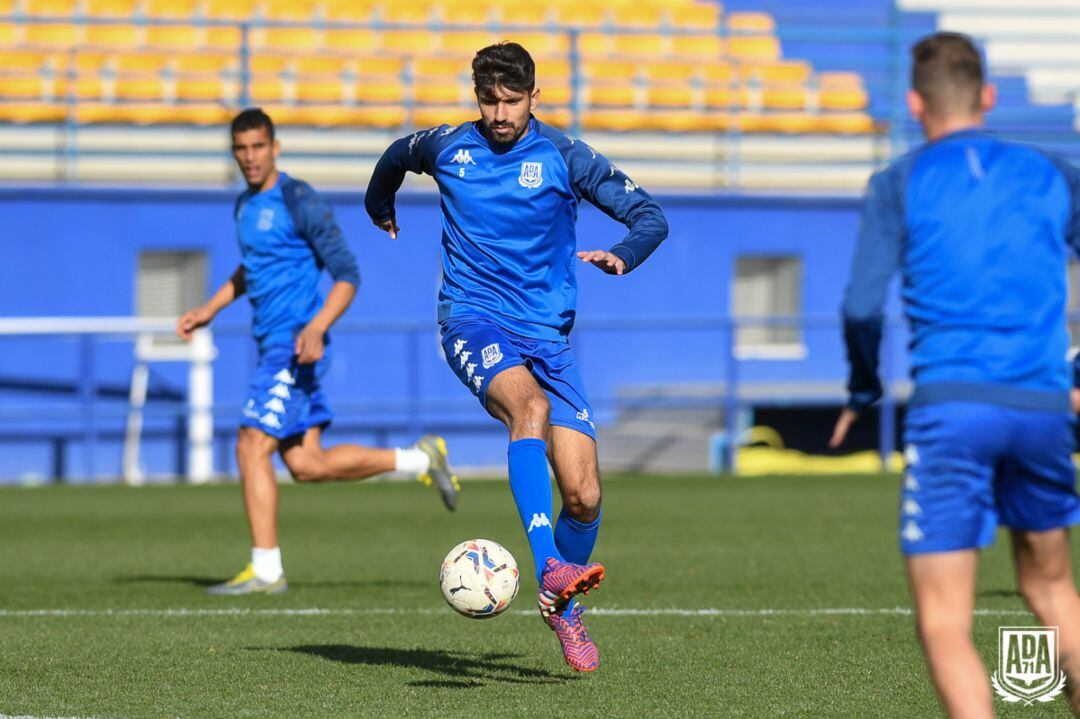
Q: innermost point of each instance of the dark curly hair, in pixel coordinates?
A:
(507, 64)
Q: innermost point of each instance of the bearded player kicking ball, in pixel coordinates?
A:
(511, 187)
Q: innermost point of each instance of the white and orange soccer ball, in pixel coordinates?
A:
(479, 578)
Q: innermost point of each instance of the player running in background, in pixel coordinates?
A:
(287, 234)
(511, 187)
(979, 230)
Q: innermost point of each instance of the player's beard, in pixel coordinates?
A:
(509, 138)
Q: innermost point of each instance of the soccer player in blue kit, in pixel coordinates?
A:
(511, 187)
(287, 235)
(980, 230)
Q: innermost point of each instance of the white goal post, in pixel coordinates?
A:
(154, 341)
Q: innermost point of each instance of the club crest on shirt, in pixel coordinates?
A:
(266, 219)
(532, 174)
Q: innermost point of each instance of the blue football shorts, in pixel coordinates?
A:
(477, 350)
(284, 397)
(972, 466)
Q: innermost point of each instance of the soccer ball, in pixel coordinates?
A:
(479, 578)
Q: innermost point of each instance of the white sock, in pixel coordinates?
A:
(267, 563)
(411, 460)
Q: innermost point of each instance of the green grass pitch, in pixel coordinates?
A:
(387, 645)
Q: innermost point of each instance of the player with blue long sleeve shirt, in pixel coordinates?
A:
(287, 236)
(980, 231)
(511, 187)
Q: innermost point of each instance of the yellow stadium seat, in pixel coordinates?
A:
(174, 37)
(757, 23)
(354, 42)
(842, 91)
(638, 15)
(610, 95)
(25, 87)
(144, 62)
(25, 61)
(379, 92)
(697, 48)
(11, 34)
(525, 14)
(151, 114)
(717, 73)
(785, 71)
(555, 94)
(581, 15)
(412, 13)
(231, 9)
(88, 62)
(467, 13)
(50, 8)
(430, 116)
(320, 88)
(642, 45)
(59, 37)
(596, 44)
(384, 67)
(541, 44)
(780, 97)
(551, 70)
(287, 39)
(294, 10)
(222, 38)
(721, 97)
(267, 88)
(322, 65)
(656, 120)
(754, 49)
(440, 93)
(205, 63)
(267, 64)
(27, 112)
(84, 88)
(466, 44)
(7, 7)
(119, 37)
(450, 70)
(113, 8)
(410, 42)
(560, 118)
(673, 96)
(699, 16)
(172, 9)
(670, 71)
(206, 89)
(140, 88)
(348, 11)
(847, 123)
(609, 71)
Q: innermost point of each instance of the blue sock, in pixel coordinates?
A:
(531, 486)
(575, 540)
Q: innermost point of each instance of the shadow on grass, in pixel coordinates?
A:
(465, 670)
(987, 593)
(207, 581)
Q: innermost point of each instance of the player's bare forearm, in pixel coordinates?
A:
(337, 301)
(204, 315)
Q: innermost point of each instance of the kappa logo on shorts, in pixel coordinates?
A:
(532, 174)
(477, 381)
(270, 420)
(285, 376)
(583, 415)
(464, 359)
(459, 345)
(911, 532)
(470, 368)
(280, 391)
(491, 355)
(275, 405)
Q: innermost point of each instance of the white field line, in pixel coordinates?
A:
(374, 611)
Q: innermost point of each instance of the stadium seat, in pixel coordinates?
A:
(722, 97)
(322, 89)
(287, 39)
(672, 96)
(50, 8)
(412, 13)
(581, 15)
(781, 97)
(466, 44)
(448, 115)
(699, 16)
(230, 9)
(842, 91)
(610, 96)
(222, 38)
(526, 14)
(172, 9)
(697, 48)
(609, 70)
(555, 93)
(626, 121)
(25, 87)
(27, 112)
(151, 114)
(54, 36)
(670, 71)
(115, 9)
(644, 46)
(118, 37)
(174, 37)
(348, 11)
(596, 45)
(755, 23)
(541, 45)
(268, 64)
(291, 10)
(390, 68)
(338, 116)
(87, 62)
(140, 88)
(468, 13)
(717, 73)
(380, 93)
(354, 42)
(141, 62)
(440, 93)
(207, 89)
(405, 43)
(322, 65)
(639, 16)
(11, 34)
(267, 88)
(449, 69)
(26, 61)
(206, 63)
(87, 88)
(554, 70)
(762, 48)
(784, 71)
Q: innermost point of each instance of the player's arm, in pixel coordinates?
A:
(415, 153)
(877, 257)
(314, 221)
(201, 316)
(620, 198)
(1072, 178)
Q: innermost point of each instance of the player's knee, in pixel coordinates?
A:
(1043, 596)
(583, 504)
(252, 444)
(532, 416)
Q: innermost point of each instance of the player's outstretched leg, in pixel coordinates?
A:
(246, 582)
(438, 471)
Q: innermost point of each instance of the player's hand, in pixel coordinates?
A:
(1074, 399)
(389, 226)
(191, 321)
(310, 345)
(609, 263)
(843, 424)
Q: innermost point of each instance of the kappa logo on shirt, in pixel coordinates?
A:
(463, 157)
